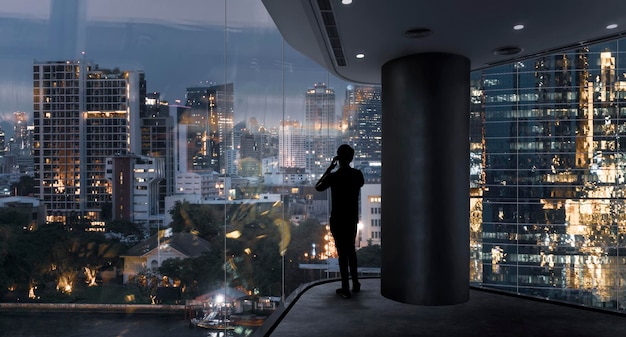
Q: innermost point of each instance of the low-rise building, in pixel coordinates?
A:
(148, 255)
(29, 205)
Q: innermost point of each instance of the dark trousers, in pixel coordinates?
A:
(344, 235)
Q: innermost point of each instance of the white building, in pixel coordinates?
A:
(273, 174)
(369, 225)
(204, 184)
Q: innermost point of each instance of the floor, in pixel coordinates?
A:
(317, 311)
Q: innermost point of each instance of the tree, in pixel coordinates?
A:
(80, 252)
(304, 236)
(308, 233)
(258, 237)
(14, 271)
(369, 256)
(204, 220)
(196, 274)
(129, 233)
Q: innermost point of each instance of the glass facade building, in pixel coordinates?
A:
(547, 203)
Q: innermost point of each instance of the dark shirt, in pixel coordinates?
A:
(345, 185)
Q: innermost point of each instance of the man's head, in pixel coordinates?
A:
(345, 153)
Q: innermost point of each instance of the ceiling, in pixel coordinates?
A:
(326, 30)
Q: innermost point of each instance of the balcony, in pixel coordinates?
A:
(315, 310)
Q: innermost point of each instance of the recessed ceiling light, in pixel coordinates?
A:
(346, 2)
(360, 55)
(518, 27)
(611, 26)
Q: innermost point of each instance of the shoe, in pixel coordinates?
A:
(356, 287)
(343, 293)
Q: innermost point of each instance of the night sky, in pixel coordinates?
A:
(178, 44)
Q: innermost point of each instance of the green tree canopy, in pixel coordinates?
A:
(197, 274)
(204, 220)
(369, 256)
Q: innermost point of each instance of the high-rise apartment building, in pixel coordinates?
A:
(211, 113)
(362, 122)
(82, 115)
(321, 128)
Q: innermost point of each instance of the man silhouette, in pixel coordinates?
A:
(345, 185)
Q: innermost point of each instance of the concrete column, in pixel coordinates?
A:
(425, 179)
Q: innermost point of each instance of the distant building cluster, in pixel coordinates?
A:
(102, 148)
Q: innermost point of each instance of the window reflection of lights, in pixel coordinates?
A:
(346, 2)
(491, 82)
(518, 27)
(611, 26)
(360, 55)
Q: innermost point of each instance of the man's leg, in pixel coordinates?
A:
(354, 272)
(352, 261)
(343, 265)
(344, 291)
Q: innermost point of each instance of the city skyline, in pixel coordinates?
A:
(155, 46)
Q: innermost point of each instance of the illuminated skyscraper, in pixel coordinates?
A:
(552, 208)
(82, 115)
(21, 138)
(362, 122)
(321, 128)
(157, 140)
(291, 145)
(212, 114)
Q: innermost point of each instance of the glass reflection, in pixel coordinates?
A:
(547, 152)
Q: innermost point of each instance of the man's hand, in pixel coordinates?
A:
(333, 164)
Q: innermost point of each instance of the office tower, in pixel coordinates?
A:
(268, 141)
(82, 115)
(291, 145)
(211, 114)
(321, 128)
(553, 207)
(190, 149)
(362, 121)
(157, 140)
(135, 188)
